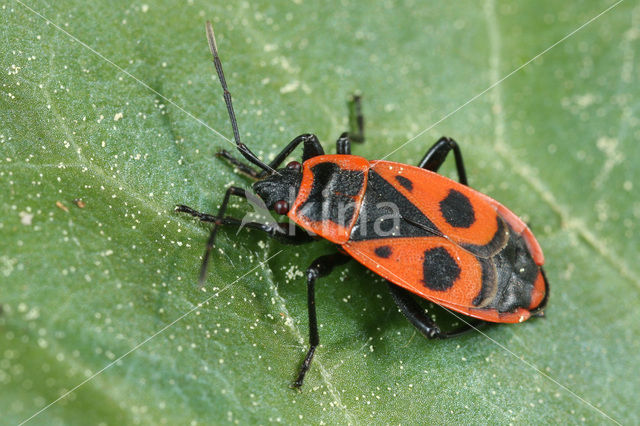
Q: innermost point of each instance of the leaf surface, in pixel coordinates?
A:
(117, 105)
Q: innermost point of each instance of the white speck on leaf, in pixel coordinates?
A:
(7, 265)
(290, 87)
(25, 218)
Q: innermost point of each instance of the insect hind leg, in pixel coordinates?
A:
(417, 317)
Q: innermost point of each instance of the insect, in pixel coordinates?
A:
(427, 235)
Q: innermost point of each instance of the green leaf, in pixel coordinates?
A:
(116, 104)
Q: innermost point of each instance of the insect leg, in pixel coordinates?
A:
(217, 219)
(244, 168)
(416, 316)
(343, 144)
(356, 119)
(436, 155)
(311, 148)
(356, 127)
(320, 267)
(277, 231)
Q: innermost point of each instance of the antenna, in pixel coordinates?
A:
(244, 150)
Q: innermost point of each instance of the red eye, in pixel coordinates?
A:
(294, 165)
(281, 207)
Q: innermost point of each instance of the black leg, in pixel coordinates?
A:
(356, 119)
(244, 168)
(416, 316)
(356, 127)
(217, 219)
(311, 148)
(278, 231)
(343, 144)
(320, 267)
(436, 155)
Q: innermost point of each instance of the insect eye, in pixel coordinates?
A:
(294, 165)
(281, 207)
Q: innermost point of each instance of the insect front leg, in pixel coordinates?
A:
(217, 220)
(241, 166)
(436, 155)
(419, 319)
(277, 231)
(320, 267)
(310, 145)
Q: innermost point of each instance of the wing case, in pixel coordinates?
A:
(447, 243)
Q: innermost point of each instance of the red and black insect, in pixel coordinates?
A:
(425, 234)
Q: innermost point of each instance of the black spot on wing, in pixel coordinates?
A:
(383, 251)
(457, 210)
(406, 183)
(440, 270)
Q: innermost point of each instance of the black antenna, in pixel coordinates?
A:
(244, 150)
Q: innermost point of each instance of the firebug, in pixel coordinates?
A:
(427, 235)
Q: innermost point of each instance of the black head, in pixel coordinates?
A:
(279, 190)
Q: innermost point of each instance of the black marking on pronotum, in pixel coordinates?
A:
(405, 183)
(440, 270)
(383, 251)
(332, 195)
(457, 210)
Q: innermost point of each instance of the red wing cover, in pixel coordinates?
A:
(454, 246)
